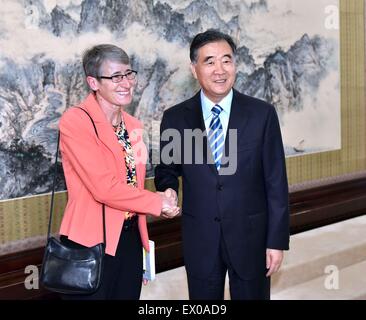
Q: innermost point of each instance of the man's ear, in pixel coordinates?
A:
(193, 70)
(93, 83)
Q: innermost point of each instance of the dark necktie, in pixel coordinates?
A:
(216, 136)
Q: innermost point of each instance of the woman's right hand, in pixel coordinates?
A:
(170, 207)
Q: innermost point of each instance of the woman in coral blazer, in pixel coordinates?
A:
(106, 165)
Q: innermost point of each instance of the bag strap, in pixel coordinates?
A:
(54, 184)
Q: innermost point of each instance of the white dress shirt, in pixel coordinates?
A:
(224, 116)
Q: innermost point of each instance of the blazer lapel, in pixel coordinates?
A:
(194, 120)
(105, 131)
(108, 138)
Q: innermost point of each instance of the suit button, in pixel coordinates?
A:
(220, 187)
(217, 219)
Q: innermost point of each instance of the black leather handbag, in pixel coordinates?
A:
(67, 269)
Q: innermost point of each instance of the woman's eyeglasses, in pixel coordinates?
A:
(130, 75)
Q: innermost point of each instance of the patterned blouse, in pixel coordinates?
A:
(123, 138)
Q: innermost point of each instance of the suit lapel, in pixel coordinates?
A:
(193, 114)
(238, 119)
(194, 120)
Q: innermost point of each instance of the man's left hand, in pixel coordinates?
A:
(273, 261)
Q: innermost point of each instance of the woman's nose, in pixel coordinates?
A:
(125, 83)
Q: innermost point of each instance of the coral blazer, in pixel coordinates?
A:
(95, 173)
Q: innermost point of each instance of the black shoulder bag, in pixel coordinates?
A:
(71, 270)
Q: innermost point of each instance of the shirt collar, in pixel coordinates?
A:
(207, 104)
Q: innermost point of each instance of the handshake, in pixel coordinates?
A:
(170, 203)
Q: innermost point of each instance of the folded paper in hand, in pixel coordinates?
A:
(149, 262)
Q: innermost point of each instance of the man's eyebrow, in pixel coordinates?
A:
(228, 55)
(207, 58)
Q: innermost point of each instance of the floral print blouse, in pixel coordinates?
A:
(123, 138)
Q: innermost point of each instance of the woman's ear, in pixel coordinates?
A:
(93, 83)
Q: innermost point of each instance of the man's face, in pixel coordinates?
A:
(215, 69)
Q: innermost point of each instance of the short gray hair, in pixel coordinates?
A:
(94, 57)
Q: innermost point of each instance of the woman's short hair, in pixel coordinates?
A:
(210, 35)
(94, 57)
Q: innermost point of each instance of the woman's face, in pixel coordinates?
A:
(118, 94)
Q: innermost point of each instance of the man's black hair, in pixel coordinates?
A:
(210, 35)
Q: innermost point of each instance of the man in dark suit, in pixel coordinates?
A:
(235, 215)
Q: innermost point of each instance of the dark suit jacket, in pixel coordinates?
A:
(250, 207)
